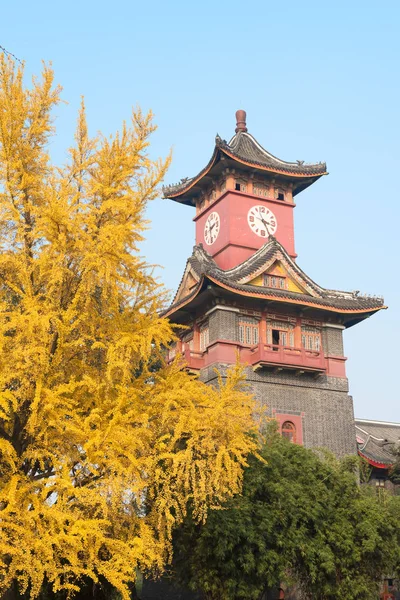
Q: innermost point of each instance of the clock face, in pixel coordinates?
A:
(262, 221)
(211, 228)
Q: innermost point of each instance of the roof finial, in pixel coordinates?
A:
(240, 121)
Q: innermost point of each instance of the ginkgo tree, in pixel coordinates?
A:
(103, 445)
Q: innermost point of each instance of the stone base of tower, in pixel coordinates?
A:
(320, 409)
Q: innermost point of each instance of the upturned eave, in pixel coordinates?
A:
(303, 174)
(302, 301)
(374, 462)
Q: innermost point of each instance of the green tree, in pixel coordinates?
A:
(394, 473)
(302, 518)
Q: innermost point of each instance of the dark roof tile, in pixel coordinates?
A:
(377, 440)
(205, 267)
(245, 149)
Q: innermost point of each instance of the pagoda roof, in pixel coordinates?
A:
(243, 149)
(377, 441)
(201, 269)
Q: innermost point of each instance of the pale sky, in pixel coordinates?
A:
(319, 81)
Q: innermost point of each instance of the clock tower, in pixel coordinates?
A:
(243, 196)
(244, 295)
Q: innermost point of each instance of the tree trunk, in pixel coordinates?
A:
(11, 594)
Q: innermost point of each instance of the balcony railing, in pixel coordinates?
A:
(261, 355)
(288, 357)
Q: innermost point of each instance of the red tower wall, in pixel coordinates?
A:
(236, 241)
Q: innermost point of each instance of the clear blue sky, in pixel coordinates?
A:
(319, 81)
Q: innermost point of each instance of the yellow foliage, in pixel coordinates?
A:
(102, 444)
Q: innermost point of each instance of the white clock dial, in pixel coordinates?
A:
(211, 228)
(262, 221)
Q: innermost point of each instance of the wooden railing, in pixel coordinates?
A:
(258, 356)
(310, 360)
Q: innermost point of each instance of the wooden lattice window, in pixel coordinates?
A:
(275, 281)
(289, 431)
(260, 190)
(188, 342)
(204, 337)
(311, 338)
(248, 331)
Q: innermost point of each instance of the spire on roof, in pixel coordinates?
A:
(240, 121)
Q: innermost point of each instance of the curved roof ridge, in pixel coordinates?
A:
(375, 422)
(174, 189)
(201, 255)
(246, 150)
(206, 269)
(271, 243)
(299, 270)
(207, 265)
(234, 142)
(181, 281)
(244, 147)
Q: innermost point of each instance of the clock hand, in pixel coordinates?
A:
(265, 224)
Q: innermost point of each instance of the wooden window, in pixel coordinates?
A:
(204, 337)
(260, 190)
(311, 338)
(275, 281)
(249, 334)
(289, 431)
(248, 331)
(240, 185)
(188, 342)
(280, 333)
(290, 426)
(279, 194)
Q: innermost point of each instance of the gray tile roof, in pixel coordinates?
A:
(376, 440)
(236, 279)
(244, 148)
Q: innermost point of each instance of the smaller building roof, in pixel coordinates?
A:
(201, 267)
(377, 440)
(243, 149)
